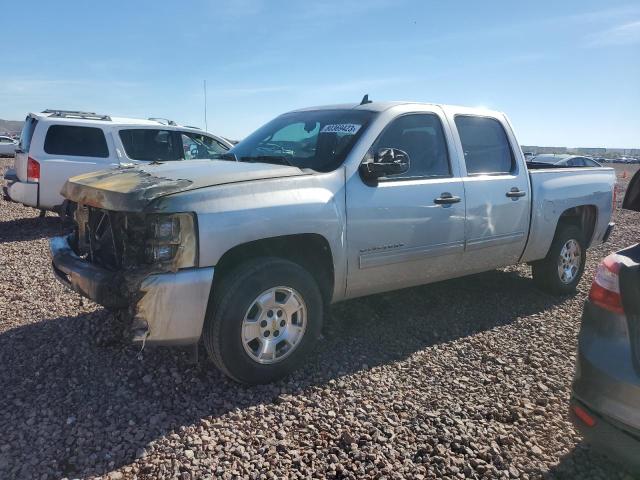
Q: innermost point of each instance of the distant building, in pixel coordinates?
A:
(632, 152)
(591, 150)
(538, 150)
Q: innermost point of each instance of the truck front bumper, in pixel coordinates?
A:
(166, 308)
(20, 192)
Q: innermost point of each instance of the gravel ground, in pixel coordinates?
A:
(467, 378)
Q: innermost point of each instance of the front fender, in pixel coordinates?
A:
(234, 214)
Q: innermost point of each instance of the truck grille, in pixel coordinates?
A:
(113, 240)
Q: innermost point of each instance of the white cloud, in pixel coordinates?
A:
(625, 34)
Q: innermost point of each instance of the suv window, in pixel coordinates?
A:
(151, 144)
(422, 138)
(27, 133)
(485, 145)
(196, 145)
(76, 141)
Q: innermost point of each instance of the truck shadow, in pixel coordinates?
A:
(72, 406)
(31, 228)
(581, 461)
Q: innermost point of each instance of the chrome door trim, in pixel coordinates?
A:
(388, 257)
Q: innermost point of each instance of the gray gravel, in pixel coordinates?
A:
(468, 378)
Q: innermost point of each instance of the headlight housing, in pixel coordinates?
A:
(171, 239)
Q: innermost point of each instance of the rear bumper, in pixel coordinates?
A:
(606, 379)
(609, 437)
(164, 308)
(607, 385)
(20, 192)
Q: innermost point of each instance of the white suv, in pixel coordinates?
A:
(58, 144)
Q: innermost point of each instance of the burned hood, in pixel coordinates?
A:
(133, 188)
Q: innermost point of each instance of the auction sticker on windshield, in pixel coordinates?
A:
(344, 128)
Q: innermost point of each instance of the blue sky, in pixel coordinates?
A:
(567, 73)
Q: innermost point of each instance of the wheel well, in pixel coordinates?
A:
(584, 217)
(309, 250)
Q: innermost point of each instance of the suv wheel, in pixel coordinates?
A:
(264, 319)
(561, 270)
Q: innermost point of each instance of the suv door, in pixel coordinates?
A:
(409, 228)
(497, 192)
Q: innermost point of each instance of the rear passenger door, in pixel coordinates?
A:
(152, 144)
(496, 186)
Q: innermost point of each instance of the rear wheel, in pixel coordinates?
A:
(560, 272)
(265, 317)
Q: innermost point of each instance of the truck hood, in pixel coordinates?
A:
(132, 188)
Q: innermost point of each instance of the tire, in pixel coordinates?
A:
(235, 310)
(546, 272)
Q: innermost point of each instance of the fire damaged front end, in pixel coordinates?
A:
(142, 265)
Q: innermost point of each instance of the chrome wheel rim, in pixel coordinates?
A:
(274, 325)
(569, 261)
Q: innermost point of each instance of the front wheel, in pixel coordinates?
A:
(561, 270)
(266, 315)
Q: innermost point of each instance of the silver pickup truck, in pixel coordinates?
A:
(318, 206)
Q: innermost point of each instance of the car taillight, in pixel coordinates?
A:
(605, 289)
(583, 415)
(615, 195)
(33, 170)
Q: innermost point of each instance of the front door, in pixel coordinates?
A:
(409, 228)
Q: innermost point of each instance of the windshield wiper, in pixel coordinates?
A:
(275, 159)
(225, 156)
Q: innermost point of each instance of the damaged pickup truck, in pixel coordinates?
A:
(318, 206)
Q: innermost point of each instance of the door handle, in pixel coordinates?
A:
(446, 199)
(515, 193)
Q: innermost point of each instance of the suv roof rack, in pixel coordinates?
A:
(76, 114)
(191, 126)
(164, 121)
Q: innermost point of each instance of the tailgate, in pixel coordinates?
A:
(22, 152)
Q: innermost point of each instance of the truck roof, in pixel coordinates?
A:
(382, 106)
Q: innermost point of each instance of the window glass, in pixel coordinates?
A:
(590, 163)
(316, 139)
(151, 144)
(76, 141)
(576, 162)
(27, 134)
(422, 138)
(196, 145)
(485, 145)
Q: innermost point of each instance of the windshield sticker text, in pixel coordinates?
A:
(344, 128)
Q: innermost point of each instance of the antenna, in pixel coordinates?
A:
(206, 127)
(365, 100)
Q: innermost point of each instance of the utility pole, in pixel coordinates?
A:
(206, 127)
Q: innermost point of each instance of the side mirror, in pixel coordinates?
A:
(385, 162)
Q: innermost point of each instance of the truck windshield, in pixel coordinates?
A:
(319, 140)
